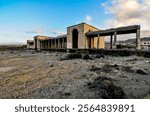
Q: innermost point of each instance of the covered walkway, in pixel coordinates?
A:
(113, 34)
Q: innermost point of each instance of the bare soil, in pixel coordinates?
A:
(47, 75)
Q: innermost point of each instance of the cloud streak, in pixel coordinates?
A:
(88, 18)
(128, 12)
(57, 33)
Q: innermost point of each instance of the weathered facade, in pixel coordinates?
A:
(45, 42)
(85, 36)
(76, 37)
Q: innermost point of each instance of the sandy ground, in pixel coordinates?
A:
(29, 74)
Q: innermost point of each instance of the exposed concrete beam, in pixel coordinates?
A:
(120, 30)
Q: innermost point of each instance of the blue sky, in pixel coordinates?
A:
(22, 19)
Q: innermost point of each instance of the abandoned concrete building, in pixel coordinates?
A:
(145, 42)
(30, 44)
(84, 36)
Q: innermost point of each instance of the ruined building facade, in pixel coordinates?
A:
(84, 36)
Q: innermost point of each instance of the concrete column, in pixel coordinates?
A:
(98, 41)
(92, 42)
(115, 40)
(59, 43)
(43, 44)
(50, 43)
(38, 45)
(138, 39)
(111, 41)
(55, 44)
(63, 43)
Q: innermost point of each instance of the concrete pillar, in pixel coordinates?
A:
(59, 43)
(138, 39)
(115, 40)
(111, 41)
(38, 44)
(63, 43)
(50, 43)
(55, 46)
(98, 41)
(43, 44)
(92, 42)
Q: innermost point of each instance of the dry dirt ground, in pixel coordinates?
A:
(45, 75)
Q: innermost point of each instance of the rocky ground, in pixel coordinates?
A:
(30, 74)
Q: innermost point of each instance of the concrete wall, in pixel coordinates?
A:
(81, 36)
(83, 28)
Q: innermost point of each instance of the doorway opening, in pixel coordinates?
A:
(75, 38)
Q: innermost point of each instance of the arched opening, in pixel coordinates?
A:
(75, 38)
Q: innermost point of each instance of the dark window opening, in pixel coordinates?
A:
(75, 38)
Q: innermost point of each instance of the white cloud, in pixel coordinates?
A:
(128, 12)
(45, 31)
(37, 31)
(57, 33)
(88, 18)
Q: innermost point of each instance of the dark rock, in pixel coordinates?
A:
(86, 57)
(107, 68)
(142, 72)
(147, 55)
(100, 56)
(128, 69)
(67, 94)
(94, 68)
(107, 88)
(89, 84)
(51, 65)
(72, 56)
(11, 52)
